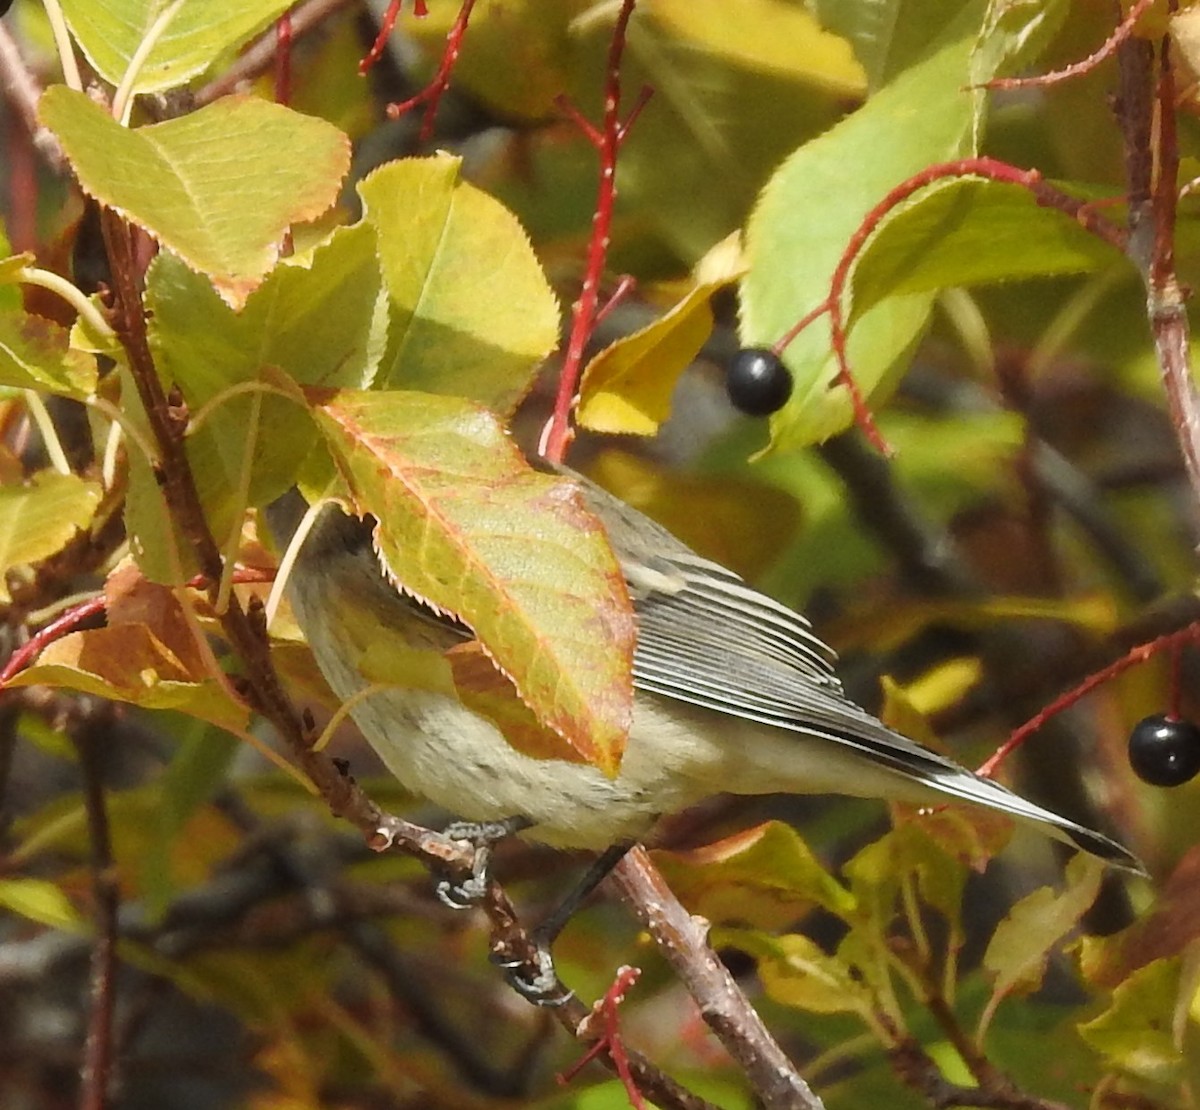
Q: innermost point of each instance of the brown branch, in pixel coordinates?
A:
(96, 1072)
(682, 939)
(1146, 112)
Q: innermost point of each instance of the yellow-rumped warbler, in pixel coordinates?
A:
(734, 693)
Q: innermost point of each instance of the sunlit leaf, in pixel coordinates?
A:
(767, 34)
(627, 387)
(1014, 34)
(792, 256)
(111, 33)
(467, 526)
(472, 313)
(317, 319)
(964, 231)
(128, 663)
(37, 519)
(218, 187)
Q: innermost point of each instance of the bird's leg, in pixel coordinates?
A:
(539, 982)
(459, 893)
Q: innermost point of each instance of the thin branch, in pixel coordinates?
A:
(1106, 50)
(259, 56)
(96, 1073)
(682, 939)
(431, 95)
(607, 140)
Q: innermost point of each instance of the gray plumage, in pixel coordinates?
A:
(735, 692)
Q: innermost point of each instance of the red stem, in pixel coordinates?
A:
(431, 94)
(1170, 642)
(988, 168)
(1076, 69)
(607, 141)
(386, 25)
(283, 59)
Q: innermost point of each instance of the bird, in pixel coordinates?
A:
(734, 693)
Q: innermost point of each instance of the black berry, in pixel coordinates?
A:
(758, 384)
(1163, 751)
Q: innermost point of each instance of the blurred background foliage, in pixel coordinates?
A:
(1034, 524)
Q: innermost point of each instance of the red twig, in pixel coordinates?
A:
(386, 26)
(431, 94)
(56, 629)
(1172, 641)
(283, 59)
(1176, 679)
(610, 1041)
(988, 168)
(626, 284)
(45, 636)
(607, 140)
(1076, 69)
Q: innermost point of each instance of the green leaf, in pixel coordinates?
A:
(765, 876)
(805, 218)
(889, 36)
(963, 231)
(472, 313)
(199, 33)
(219, 186)
(35, 354)
(767, 34)
(1020, 947)
(38, 519)
(41, 901)
(1136, 1033)
(318, 318)
(796, 972)
(1013, 36)
(464, 524)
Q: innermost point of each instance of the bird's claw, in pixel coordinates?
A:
(463, 893)
(536, 979)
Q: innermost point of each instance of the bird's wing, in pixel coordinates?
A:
(706, 638)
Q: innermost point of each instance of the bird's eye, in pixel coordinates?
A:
(1165, 751)
(757, 382)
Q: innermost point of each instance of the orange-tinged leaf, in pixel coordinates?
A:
(465, 525)
(482, 687)
(765, 876)
(132, 598)
(128, 663)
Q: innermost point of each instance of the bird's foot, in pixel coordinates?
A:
(459, 892)
(534, 978)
